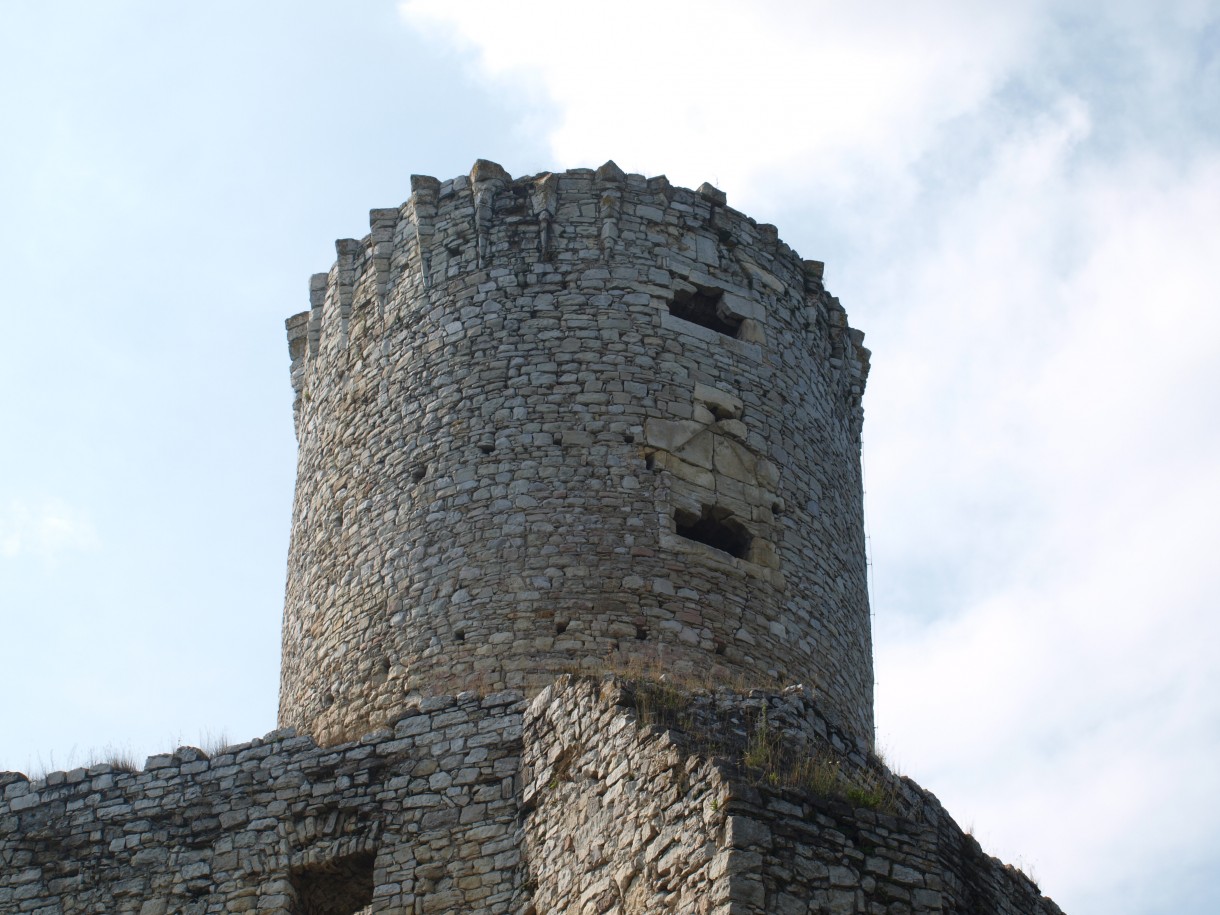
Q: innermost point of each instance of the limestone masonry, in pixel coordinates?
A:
(548, 421)
(576, 616)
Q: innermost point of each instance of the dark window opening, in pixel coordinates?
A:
(460, 635)
(561, 626)
(343, 886)
(703, 307)
(641, 633)
(716, 528)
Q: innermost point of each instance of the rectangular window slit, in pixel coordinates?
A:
(715, 527)
(705, 307)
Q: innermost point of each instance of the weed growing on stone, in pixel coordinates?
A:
(821, 773)
(658, 702)
(867, 789)
(760, 750)
(764, 748)
(121, 759)
(213, 744)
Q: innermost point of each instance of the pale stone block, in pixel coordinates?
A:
(724, 404)
(734, 460)
(670, 435)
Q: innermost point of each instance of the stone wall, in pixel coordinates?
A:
(600, 796)
(617, 820)
(629, 819)
(418, 819)
(548, 420)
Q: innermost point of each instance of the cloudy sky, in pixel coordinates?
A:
(1020, 206)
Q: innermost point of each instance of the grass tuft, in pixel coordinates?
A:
(122, 759)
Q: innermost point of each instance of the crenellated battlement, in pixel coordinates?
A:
(535, 226)
(551, 419)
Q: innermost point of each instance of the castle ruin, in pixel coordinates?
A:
(576, 617)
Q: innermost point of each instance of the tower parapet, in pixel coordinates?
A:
(552, 421)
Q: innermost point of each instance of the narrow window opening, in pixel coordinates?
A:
(561, 627)
(343, 886)
(716, 528)
(641, 633)
(703, 307)
(460, 635)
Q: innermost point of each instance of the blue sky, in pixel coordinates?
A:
(1020, 207)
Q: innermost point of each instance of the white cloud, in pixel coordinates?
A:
(1034, 211)
(45, 531)
(737, 93)
(1040, 423)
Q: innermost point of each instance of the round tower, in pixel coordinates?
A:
(574, 420)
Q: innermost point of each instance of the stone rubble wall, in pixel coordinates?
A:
(571, 803)
(627, 819)
(801, 853)
(502, 426)
(431, 806)
(616, 819)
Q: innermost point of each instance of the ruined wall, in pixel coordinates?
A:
(616, 820)
(633, 820)
(588, 800)
(418, 819)
(546, 420)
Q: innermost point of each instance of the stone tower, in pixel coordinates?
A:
(556, 422)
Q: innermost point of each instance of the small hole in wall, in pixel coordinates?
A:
(716, 528)
(561, 627)
(418, 472)
(641, 632)
(628, 438)
(718, 646)
(460, 635)
(487, 447)
(328, 700)
(650, 461)
(704, 307)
